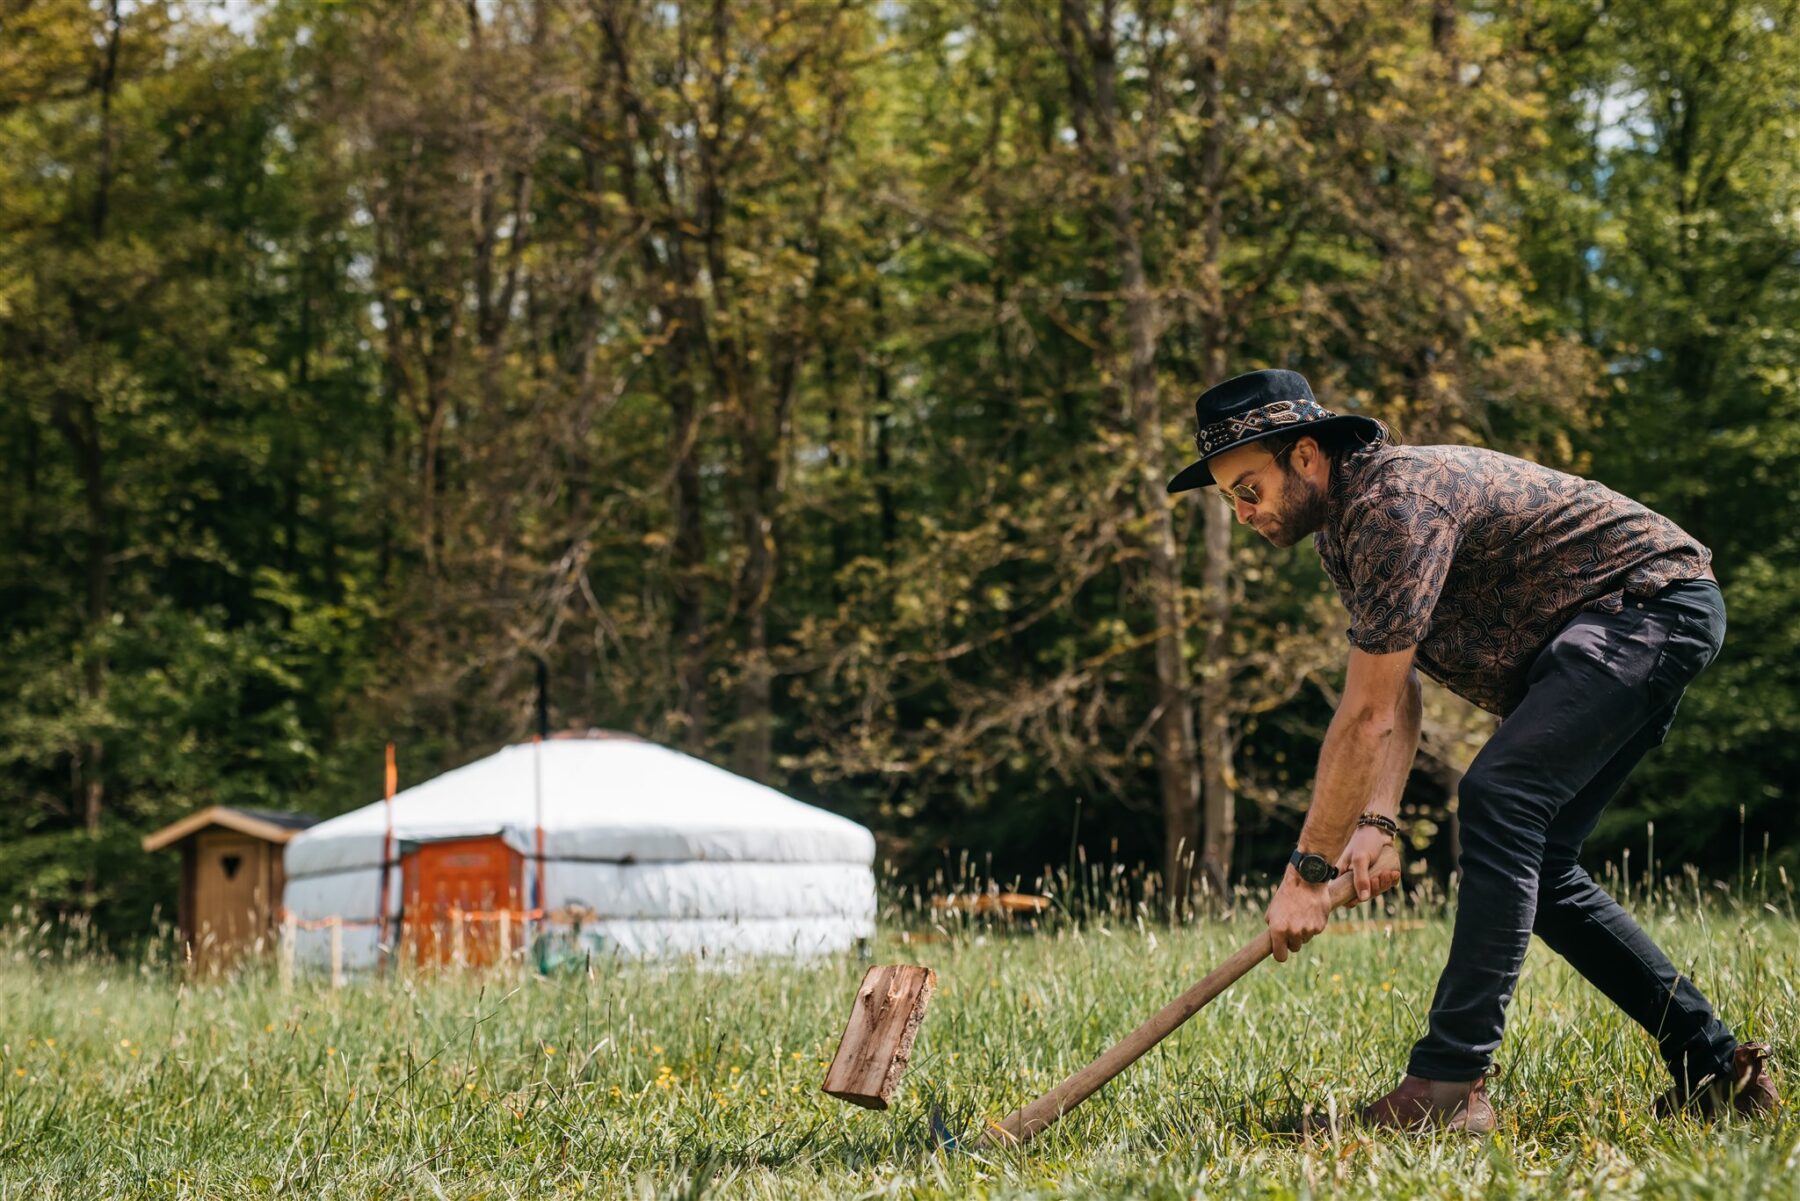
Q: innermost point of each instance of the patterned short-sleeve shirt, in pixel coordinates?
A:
(1478, 558)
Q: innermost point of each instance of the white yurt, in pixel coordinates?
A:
(618, 844)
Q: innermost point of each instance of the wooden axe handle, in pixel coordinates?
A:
(1029, 1120)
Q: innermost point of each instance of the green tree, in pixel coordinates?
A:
(1663, 225)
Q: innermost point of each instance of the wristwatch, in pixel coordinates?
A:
(1314, 869)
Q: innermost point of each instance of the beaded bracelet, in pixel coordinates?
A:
(1380, 822)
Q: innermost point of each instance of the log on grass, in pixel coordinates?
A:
(878, 1039)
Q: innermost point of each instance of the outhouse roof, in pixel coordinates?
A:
(267, 824)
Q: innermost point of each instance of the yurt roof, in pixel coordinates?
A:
(603, 800)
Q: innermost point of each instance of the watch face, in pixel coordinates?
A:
(1313, 869)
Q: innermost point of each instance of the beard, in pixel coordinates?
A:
(1303, 510)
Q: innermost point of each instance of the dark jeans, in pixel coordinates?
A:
(1598, 697)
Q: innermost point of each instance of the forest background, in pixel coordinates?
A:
(795, 383)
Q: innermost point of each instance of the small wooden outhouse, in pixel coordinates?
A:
(231, 878)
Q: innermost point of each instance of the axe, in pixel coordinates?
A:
(892, 1001)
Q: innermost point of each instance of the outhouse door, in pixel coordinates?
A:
(458, 893)
(231, 896)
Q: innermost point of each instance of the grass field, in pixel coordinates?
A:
(119, 1079)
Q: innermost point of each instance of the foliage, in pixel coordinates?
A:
(1664, 218)
(794, 382)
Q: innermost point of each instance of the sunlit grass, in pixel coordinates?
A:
(119, 1079)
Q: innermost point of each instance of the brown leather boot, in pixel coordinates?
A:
(1749, 1092)
(1420, 1104)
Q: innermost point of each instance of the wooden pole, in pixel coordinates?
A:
(456, 935)
(391, 781)
(537, 786)
(1030, 1120)
(290, 930)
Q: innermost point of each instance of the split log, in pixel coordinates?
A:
(878, 1039)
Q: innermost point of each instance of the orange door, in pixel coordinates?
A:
(457, 893)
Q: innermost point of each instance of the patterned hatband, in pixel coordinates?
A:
(1254, 424)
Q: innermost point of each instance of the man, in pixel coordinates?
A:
(1577, 615)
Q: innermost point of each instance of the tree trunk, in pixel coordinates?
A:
(684, 329)
(1218, 786)
(78, 418)
(99, 610)
(1177, 785)
(690, 561)
(755, 723)
(887, 516)
(1218, 781)
(108, 78)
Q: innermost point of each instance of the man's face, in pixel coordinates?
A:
(1291, 499)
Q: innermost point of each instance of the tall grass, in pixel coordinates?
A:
(1100, 887)
(120, 1076)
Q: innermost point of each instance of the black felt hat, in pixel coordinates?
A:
(1256, 405)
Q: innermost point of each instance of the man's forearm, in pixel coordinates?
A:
(1363, 764)
(1403, 748)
